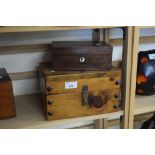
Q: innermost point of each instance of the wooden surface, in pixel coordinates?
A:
(67, 55)
(67, 103)
(139, 119)
(73, 62)
(100, 35)
(146, 27)
(20, 30)
(24, 75)
(8, 29)
(70, 105)
(30, 115)
(24, 49)
(97, 80)
(126, 72)
(46, 47)
(93, 81)
(34, 74)
(47, 71)
(138, 104)
(144, 104)
(135, 51)
(7, 103)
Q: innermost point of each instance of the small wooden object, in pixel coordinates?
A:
(7, 104)
(77, 94)
(81, 56)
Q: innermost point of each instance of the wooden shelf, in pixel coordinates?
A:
(29, 111)
(138, 104)
(8, 29)
(147, 27)
(144, 104)
(30, 115)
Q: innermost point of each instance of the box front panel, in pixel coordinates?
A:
(7, 105)
(5, 87)
(70, 105)
(82, 62)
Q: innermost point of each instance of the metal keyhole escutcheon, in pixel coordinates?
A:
(82, 59)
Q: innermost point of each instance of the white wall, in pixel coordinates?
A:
(29, 61)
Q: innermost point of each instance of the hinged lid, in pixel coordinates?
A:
(86, 47)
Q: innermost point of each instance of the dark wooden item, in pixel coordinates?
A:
(89, 93)
(81, 56)
(7, 104)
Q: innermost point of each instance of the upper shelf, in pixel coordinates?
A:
(147, 27)
(8, 29)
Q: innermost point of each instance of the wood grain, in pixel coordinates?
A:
(9, 29)
(101, 123)
(100, 35)
(135, 50)
(7, 104)
(30, 115)
(72, 97)
(70, 105)
(65, 55)
(144, 104)
(34, 74)
(146, 27)
(94, 80)
(24, 49)
(46, 47)
(24, 75)
(126, 73)
(72, 62)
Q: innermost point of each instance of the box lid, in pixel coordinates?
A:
(75, 44)
(86, 47)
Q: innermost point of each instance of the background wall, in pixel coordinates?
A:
(23, 62)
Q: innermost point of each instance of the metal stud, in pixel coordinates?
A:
(49, 88)
(116, 95)
(115, 106)
(118, 82)
(50, 113)
(50, 102)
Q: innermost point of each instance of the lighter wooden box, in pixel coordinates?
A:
(61, 102)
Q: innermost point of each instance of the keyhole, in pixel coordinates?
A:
(82, 59)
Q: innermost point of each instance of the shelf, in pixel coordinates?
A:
(144, 104)
(30, 115)
(8, 29)
(147, 27)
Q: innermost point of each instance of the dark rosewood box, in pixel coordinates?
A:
(81, 56)
(7, 104)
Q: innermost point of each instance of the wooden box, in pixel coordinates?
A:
(81, 56)
(77, 94)
(7, 104)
